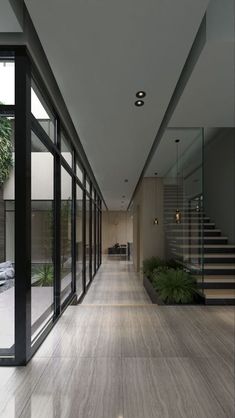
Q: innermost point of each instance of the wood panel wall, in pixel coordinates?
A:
(117, 227)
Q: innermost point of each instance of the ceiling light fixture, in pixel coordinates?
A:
(139, 103)
(140, 94)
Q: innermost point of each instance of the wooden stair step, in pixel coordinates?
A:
(219, 296)
(213, 278)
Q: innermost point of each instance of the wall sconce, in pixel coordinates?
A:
(155, 221)
(177, 216)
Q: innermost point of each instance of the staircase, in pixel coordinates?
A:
(200, 247)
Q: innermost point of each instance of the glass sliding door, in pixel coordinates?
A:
(93, 239)
(42, 235)
(7, 219)
(87, 245)
(79, 241)
(49, 222)
(97, 237)
(66, 235)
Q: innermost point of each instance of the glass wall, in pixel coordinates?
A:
(97, 236)
(47, 215)
(42, 235)
(88, 246)
(66, 235)
(7, 80)
(93, 239)
(183, 199)
(7, 221)
(79, 241)
(40, 110)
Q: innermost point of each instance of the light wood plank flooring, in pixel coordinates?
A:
(118, 356)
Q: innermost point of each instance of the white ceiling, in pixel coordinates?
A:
(102, 53)
(208, 99)
(8, 19)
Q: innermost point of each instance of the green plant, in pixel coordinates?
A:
(44, 275)
(151, 264)
(175, 286)
(173, 264)
(6, 161)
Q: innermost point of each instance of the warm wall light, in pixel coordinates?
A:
(177, 216)
(155, 221)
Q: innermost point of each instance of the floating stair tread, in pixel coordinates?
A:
(191, 223)
(221, 266)
(207, 246)
(219, 293)
(208, 255)
(203, 237)
(217, 279)
(196, 230)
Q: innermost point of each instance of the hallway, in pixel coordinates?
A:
(118, 356)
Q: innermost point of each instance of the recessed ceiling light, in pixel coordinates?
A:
(139, 103)
(140, 94)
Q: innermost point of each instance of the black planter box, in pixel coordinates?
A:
(199, 299)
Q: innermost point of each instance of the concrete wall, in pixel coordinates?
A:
(117, 226)
(219, 181)
(148, 239)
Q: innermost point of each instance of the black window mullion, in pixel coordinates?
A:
(74, 211)
(84, 238)
(22, 208)
(57, 226)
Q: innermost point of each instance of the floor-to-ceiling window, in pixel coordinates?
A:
(79, 240)
(7, 235)
(88, 235)
(42, 235)
(93, 235)
(66, 235)
(47, 211)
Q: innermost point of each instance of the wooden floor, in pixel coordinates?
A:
(119, 356)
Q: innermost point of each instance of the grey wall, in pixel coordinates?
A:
(219, 181)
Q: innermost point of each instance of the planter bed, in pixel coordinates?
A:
(153, 294)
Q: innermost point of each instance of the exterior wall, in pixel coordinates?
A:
(219, 180)
(148, 239)
(117, 226)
